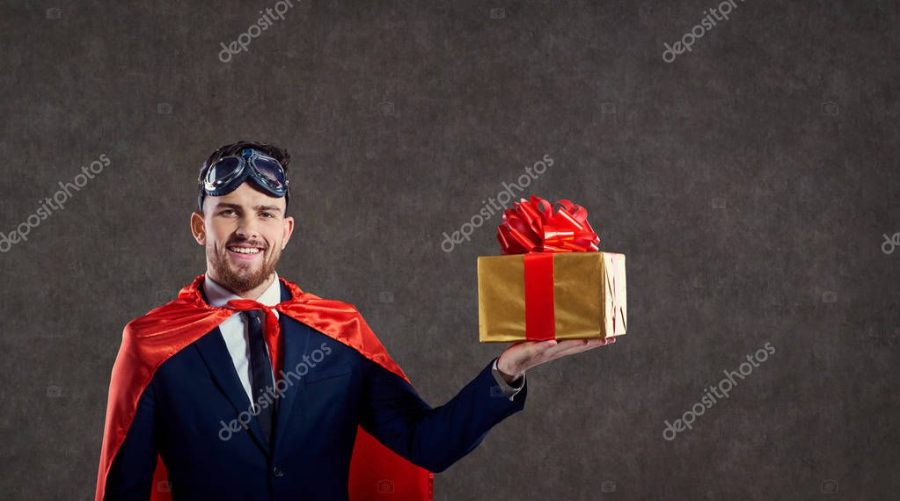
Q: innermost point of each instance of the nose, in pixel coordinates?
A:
(247, 228)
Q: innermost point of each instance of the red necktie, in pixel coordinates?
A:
(272, 331)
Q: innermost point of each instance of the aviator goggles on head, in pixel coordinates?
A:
(227, 173)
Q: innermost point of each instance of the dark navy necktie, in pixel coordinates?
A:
(260, 372)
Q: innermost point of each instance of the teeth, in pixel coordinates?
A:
(245, 250)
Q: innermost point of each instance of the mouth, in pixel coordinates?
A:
(245, 253)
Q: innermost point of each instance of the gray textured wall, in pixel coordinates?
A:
(750, 183)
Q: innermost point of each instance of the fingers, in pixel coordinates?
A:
(573, 346)
(530, 350)
(576, 348)
(567, 346)
(542, 348)
(528, 354)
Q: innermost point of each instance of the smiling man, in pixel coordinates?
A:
(246, 387)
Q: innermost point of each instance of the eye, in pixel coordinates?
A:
(268, 214)
(226, 212)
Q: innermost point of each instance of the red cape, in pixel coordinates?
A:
(150, 340)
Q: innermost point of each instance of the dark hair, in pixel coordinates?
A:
(276, 152)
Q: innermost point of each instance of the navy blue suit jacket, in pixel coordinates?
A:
(185, 411)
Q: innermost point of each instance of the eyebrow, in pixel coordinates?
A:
(256, 207)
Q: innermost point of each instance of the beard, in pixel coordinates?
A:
(241, 278)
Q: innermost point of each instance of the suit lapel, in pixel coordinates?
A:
(294, 338)
(215, 354)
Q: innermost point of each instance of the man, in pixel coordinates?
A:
(246, 387)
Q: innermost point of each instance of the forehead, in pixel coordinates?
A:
(248, 196)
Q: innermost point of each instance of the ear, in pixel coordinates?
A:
(288, 231)
(198, 227)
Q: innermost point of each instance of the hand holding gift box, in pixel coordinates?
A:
(554, 294)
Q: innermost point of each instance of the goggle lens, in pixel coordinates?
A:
(271, 172)
(222, 172)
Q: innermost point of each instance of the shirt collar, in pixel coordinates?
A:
(217, 295)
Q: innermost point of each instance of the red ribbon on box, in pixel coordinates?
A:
(535, 229)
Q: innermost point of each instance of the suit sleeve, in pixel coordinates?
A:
(131, 473)
(433, 438)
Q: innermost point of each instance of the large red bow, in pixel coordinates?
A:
(533, 226)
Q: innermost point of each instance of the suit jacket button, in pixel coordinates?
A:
(276, 471)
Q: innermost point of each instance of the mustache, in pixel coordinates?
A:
(251, 243)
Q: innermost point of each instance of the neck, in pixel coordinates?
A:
(253, 293)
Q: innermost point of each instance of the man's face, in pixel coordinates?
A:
(244, 233)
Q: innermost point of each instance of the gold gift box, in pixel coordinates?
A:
(589, 296)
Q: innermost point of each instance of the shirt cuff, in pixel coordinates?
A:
(509, 391)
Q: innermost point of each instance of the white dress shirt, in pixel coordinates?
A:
(235, 330)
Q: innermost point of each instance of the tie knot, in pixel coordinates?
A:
(246, 305)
